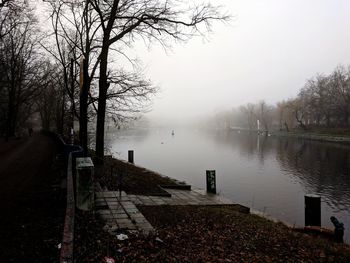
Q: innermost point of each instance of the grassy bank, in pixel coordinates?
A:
(336, 132)
(206, 234)
(317, 135)
(132, 179)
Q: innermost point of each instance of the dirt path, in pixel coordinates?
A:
(31, 201)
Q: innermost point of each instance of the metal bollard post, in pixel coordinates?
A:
(131, 156)
(211, 181)
(312, 210)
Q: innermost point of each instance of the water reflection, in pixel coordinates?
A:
(249, 144)
(270, 174)
(320, 167)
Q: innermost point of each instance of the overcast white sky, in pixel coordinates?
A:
(267, 52)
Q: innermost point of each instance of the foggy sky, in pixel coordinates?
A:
(267, 52)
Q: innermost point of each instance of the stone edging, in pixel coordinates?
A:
(67, 255)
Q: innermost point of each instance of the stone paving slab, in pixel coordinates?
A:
(182, 197)
(120, 213)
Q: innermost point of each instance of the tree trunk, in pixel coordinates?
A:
(286, 125)
(60, 115)
(83, 121)
(10, 114)
(299, 120)
(102, 97)
(346, 119)
(72, 90)
(328, 121)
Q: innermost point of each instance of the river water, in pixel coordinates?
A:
(267, 174)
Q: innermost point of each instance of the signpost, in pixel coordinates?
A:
(211, 181)
(131, 156)
(84, 183)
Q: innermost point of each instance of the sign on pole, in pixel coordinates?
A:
(211, 181)
(81, 74)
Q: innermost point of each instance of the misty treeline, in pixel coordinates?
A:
(78, 62)
(323, 103)
(23, 71)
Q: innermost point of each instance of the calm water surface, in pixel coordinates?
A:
(268, 174)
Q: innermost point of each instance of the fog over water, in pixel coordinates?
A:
(267, 51)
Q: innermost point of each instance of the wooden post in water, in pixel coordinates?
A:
(312, 210)
(131, 156)
(211, 181)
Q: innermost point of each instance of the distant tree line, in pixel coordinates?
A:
(323, 102)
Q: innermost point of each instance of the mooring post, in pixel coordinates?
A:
(131, 156)
(211, 181)
(312, 210)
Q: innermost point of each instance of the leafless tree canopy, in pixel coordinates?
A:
(124, 22)
(98, 33)
(29, 81)
(23, 73)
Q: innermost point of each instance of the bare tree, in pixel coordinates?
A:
(124, 21)
(77, 41)
(285, 115)
(264, 113)
(51, 103)
(339, 91)
(249, 111)
(22, 69)
(325, 99)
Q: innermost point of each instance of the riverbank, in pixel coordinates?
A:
(205, 234)
(316, 136)
(196, 233)
(132, 179)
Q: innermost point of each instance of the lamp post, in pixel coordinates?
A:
(84, 91)
(72, 102)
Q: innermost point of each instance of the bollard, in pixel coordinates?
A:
(211, 181)
(312, 210)
(85, 183)
(131, 156)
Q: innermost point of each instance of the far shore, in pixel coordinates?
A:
(324, 137)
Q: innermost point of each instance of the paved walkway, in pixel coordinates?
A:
(120, 211)
(32, 203)
(181, 197)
